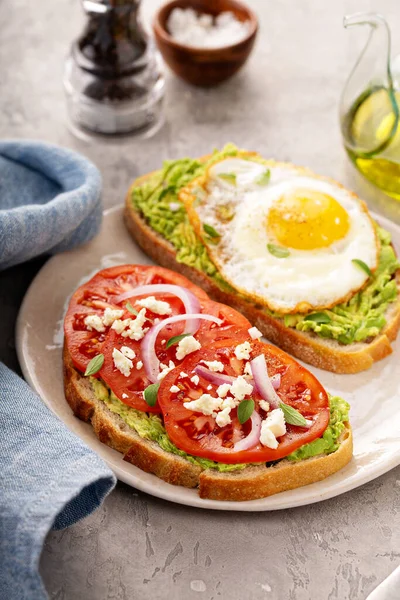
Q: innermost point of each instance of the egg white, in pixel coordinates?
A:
(304, 280)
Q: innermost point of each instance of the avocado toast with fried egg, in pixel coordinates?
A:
(181, 225)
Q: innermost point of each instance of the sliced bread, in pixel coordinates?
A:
(250, 483)
(320, 352)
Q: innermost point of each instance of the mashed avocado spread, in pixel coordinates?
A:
(359, 319)
(150, 426)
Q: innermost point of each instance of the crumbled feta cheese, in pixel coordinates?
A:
(156, 306)
(174, 389)
(165, 369)
(182, 375)
(111, 315)
(241, 388)
(267, 438)
(139, 365)
(120, 326)
(222, 419)
(214, 365)
(222, 390)
(94, 322)
(247, 370)
(254, 333)
(128, 352)
(206, 404)
(242, 352)
(186, 346)
(124, 395)
(209, 387)
(122, 363)
(264, 405)
(195, 379)
(276, 422)
(174, 206)
(135, 330)
(229, 402)
(100, 323)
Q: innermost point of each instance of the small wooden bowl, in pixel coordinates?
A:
(201, 66)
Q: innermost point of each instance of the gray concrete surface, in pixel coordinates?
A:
(284, 104)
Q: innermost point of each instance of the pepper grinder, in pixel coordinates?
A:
(113, 78)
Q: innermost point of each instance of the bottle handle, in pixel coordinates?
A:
(370, 74)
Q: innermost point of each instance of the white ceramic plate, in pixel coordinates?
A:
(374, 395)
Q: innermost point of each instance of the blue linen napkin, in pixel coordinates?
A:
(50, 200)
(48, 478)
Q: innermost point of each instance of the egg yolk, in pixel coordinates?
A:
(307, 219)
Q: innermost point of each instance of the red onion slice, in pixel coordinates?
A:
(189, 300)
(220, 378)
(252, 439)
(254, 333)
(276, 381)
(213, 377)
(263, 383)
(149, 357)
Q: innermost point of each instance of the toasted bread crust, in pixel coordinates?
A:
(312, 349)
(260, 482)
(249, 484)
(112, 431)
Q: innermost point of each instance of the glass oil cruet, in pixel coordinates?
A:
(369, 109)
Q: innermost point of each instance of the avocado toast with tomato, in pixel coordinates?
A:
(183, 387)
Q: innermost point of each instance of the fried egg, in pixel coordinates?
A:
(281, 235)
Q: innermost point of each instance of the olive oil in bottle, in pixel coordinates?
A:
(372, 138)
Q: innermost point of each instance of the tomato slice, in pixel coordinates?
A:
(130, 389)
(127, 389)
(234, 325)
(98, 293)
(199, 435)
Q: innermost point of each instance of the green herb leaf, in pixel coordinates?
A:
(278, 251)
(95, 365)
(245, 410)
(264, 178)
(230, 177)
(150, 394)
(363, 266)
(131, 309)
(292, 416)
(210, 231)
(176, 339)
(225, 212)
(318, 317)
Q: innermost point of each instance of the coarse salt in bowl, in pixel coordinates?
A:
(205, 42)
(202, 30)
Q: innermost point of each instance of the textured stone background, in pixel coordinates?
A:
(284, 104)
